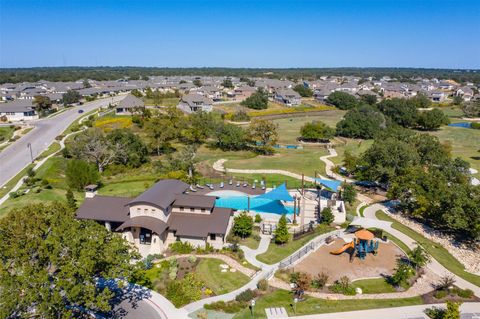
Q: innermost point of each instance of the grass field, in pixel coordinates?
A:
(283, 298)
(298, 161)
(437, 251)
(209, 271)
(6, 133)
(164, 102)
(374, 286)
(276, 253)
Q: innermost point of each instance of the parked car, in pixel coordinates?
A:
(80, 111)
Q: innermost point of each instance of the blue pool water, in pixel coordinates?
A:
(256, 204)
(461, 124)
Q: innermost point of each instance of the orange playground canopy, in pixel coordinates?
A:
(364, 234)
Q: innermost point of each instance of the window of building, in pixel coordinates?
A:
(182, 209)
(213, 236)
(203, 210)
(192, 209)
(145, 210)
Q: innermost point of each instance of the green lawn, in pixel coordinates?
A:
(283, 298)
(276, 253)
(437, 251)
(465, 143)
(11, 183)
(374, 286)
(54, 147)
(289, 128)
(298, 161)
(173, 101)
(209, 271)
(6, 133)
(355, 147)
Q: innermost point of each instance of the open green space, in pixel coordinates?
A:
(276, 253)
(6, 188)
(301, 161)
(283, 298)
(374, 286)
(6, 133)
(209, 271)
(171, 101)
(53, 148)
(437, 251)
(354, 146)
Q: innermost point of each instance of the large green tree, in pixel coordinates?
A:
(303, 90)
(316, 131)
(432, 120)
(80, 173)
(363, 122)
(51, 263)
(401, 111)
(132, 151)
(342, 100)
(70, 97)
(264, 135)
(243, 225)
(257, 101)
(281, 232)
(231, 137)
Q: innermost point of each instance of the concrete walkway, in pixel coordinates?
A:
(468, 311)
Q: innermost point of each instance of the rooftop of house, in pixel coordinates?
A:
(104, 208)
(162, 194)
(130, 101)
(193, 99)
(17, 106)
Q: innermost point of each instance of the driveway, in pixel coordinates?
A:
(16, 156)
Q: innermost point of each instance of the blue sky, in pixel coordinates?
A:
(330, 33)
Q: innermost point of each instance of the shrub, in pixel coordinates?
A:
(262, 285)
(192, 259)
(445, 283)
(245, 296)
(403, 272)
(281, 233)
(463, 293)
(15, 194)
(320, 280)
(475, 125)
(258, 218)
(243, 225)
(228, 307)
(240, 116)
(327, 216)
(181, 247)
(184, 291)
(256, 237)
(440, 294)
(79, 174)
(343, 286)
(435, 312)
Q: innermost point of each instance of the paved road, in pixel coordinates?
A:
(16, 156)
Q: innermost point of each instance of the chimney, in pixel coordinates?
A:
(91, 191)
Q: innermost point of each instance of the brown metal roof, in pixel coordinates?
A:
(104, 208)
(200, 225)
(162, 194)
(197, 201)
(152, 223)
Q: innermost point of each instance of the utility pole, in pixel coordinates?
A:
(29, 145)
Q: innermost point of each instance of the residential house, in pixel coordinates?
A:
(193, 102)
(129, 105)
(18, 110)
(437, 96)
(288, 97)
(160, 216)
(465, 92)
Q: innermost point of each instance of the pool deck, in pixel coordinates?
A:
(216, 187)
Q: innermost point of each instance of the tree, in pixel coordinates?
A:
(132, 151)
(316, 131)
(349, 193)
(327, 216)
(231, 137)
(243, 225)
(418, 257)
(257, 101)
(362, 122)
(197, 83)
(86, 84)
(350, 161)
(80, 174)
(200, 126)
(431, 120)
(281, 232)
(42, 102)
(342, 100)
(71, 202)
(421, 101)
(71, 97)
(457, 100)
(136, 93)
(303, 90)
(402, 273)
(227, 83)
(472, 108)
(370, 99)
(401, 111)
(52, 263)
(94, 147)
(264, 134)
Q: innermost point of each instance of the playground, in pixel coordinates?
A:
(334, 259)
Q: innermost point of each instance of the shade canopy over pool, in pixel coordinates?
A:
(332, 184)
(279, 193)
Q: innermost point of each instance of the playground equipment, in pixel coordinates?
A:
(362, 244)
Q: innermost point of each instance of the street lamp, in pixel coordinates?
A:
(295, 300)
(252, 305)
(29, 145)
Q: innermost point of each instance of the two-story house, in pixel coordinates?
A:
(288, 97)
(193, 102)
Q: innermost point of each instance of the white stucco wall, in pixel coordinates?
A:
(148, 210)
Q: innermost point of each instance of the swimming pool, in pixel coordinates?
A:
(239, 201)
(461, 124)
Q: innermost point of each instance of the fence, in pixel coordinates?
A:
(303, 230)
(312, 245)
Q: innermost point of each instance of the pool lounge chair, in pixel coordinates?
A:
(199, 186)
(254, 186)
(263, 187)
(221, 185)
(245, 184)
(192, 189)
(230, 182)
(211, 187)
(238, 184)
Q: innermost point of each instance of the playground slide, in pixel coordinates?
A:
(343, 248)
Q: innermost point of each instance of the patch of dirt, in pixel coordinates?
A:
(185, 267)
(336, 266)
(205, 169)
